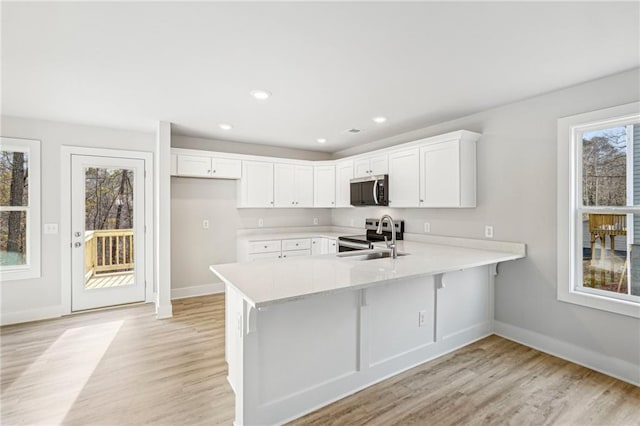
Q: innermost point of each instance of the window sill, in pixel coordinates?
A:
(616, 306)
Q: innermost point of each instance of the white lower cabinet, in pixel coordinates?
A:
(274, 249)
(295, 253)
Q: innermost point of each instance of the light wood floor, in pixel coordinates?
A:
(124, 367)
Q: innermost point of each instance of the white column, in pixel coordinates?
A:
(163, 221)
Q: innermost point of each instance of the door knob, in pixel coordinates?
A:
(76, 234)
(76, 245)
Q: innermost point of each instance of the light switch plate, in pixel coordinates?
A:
(50, 228)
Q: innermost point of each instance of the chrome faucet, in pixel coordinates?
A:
(392, 246)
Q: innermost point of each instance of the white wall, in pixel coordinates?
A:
(28, 297)
(517, 195)
(193, 248)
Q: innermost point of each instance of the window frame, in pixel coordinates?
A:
(570, 208)
(32, 268)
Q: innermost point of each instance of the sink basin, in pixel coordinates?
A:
(371, 254)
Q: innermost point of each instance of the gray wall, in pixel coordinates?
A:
(44, 292)
(193, 248)
(517, 195)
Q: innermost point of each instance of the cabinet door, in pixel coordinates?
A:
(226, 168)
(332, 246)
(324, 186)
(256, 184)
(304, 186)
(440, 175)
(379, 165)
(173, 167)
(316, 246)
(404, 178)
(192, 165)
(344, 174)
(361, 167)
(285, 185)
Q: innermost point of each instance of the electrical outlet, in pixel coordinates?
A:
(427, 227)
(422, 318)
(205, 224)
(315, 221)
(260, 223)
(488, 231)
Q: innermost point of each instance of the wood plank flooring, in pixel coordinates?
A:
(124, 367)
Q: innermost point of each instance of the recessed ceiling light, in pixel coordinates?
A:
(225, 126)
(260, 94)
(379, 120)
(321, 140)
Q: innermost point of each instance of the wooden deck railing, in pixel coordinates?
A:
(108, 250)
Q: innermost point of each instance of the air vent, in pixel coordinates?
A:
(353, 131)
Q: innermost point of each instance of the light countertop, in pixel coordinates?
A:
(269, 281)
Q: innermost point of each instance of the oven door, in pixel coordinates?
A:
(351, 246)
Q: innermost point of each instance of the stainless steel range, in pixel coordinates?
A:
(365, 242)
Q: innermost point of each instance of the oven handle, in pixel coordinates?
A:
(375, 191)
(353, 245)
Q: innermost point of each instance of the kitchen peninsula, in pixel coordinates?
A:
(303, 332)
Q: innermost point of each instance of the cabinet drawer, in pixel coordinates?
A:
(297, 244)
(264, 246)
(256, 256)
(294, 253)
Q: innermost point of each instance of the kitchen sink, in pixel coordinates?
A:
(376, 253)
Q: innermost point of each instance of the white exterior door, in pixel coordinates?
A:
(107, 225)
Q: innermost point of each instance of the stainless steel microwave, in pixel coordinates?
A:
(370, 191)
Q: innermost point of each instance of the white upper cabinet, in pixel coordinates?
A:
(293, 185)
(192, 165)
(226, 168)
(206, 166)
(256, 185)
(448, 174)
(369, 166)
(344, 174)
(404, 178)
(324, 186)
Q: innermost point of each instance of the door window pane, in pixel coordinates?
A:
(14, 178)
(13, 238)
(109, 250)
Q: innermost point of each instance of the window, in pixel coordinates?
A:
(19, 209)
(599, 209)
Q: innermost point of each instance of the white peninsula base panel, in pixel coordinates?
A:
(289, 359)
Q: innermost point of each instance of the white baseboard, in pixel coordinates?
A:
(196, 290)
(164, 311)
(47, 312)
(597, 361)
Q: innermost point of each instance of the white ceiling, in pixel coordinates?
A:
(330, 66)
